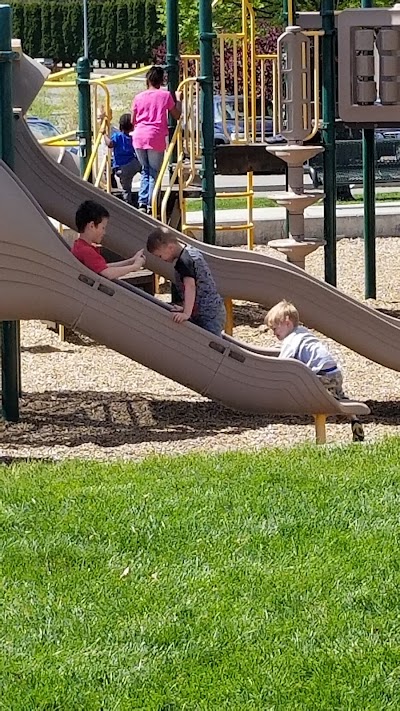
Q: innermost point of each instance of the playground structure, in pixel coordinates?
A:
(193, 138)
(40, 279)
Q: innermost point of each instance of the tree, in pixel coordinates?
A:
(57, 41)
(227, 15)
(32, 39)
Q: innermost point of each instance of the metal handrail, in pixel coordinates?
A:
(174, 143)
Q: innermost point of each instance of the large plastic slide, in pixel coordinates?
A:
(40, 279)
(239, 274)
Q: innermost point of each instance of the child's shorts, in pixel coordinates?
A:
(334, 384)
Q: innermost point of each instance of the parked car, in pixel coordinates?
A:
(42, 128)
(236, 123)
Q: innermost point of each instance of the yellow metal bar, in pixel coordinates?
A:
(97, 142)
(164, 166)
(233, 228)
(167, 157)
(320, 429)
(57, 76)
(275, 100)
(229, 317)
(168, 189)
(218, 228)
(245, 72)
(54, 139)
(243, 194)
(267, 56)
(263, 100)
(114, 79)
(60, 144)
(250, 205)
(98, 138)
(291, 13)
(59, 84)
(253, 78)
(236, 91)
(96, 124)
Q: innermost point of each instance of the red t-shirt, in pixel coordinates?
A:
(88, 255)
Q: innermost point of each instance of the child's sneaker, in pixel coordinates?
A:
(142, 208)
(357, 430)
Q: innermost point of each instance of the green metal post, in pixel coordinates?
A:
(285, 12)
(207, 120)
(368, 147)
(10, 351)
(172, 54)
(84, 132)
(285, 15)
(328, 136)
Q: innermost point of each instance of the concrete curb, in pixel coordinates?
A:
(269, 223)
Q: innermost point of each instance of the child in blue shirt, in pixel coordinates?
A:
(124, 163)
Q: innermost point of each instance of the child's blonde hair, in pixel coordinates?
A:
(280, 312)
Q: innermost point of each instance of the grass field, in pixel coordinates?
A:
(266, 581)
(233, 203)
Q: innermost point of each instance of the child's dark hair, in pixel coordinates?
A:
(160, 236)
(155, 76)
(89, 211)
(125, 123)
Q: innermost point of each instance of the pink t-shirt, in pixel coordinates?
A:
(151, 118)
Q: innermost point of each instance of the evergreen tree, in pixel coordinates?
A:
(18, 20)
(119, 30)
(137, 24)
(122, 32)
(95, 30)
(109, 26)
(57, 39)
(32, 39)
(47, 49)
(152, 34)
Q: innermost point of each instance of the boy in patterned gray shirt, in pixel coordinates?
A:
(198, 298)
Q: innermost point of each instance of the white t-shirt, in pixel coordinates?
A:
(302, 345)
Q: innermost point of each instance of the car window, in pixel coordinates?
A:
(43, 130)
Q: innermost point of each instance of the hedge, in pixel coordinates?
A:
(120, 31)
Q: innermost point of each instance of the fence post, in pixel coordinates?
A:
(172, 57)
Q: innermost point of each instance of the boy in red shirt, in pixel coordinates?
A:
(91, 222)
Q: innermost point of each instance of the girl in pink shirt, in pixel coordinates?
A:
(150, 129)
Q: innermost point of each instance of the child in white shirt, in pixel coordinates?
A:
(299, 343)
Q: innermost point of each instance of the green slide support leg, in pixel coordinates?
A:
(10, 349)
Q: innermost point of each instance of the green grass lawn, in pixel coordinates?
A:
(194, 204)
(267, 581)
